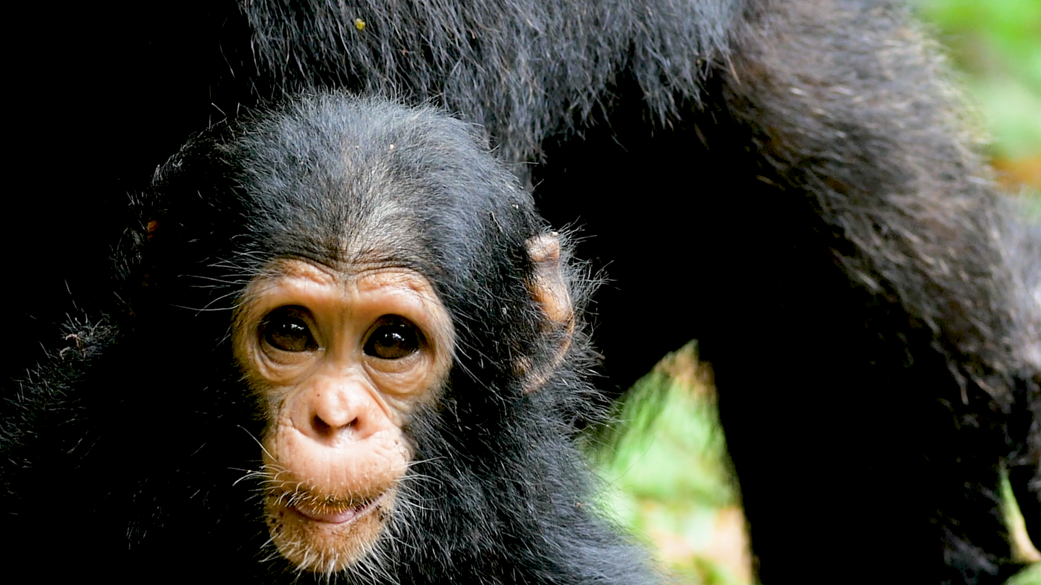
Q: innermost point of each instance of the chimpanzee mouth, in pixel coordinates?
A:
(332, 511)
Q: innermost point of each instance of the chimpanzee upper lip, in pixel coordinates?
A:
(335, 513)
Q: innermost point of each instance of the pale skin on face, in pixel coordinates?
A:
(340, 359)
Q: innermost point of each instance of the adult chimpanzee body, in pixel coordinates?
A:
(345, 346)
(874, 347)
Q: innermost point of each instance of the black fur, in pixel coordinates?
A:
(146, 434)
(874, 344)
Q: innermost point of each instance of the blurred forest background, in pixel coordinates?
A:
(669, 478)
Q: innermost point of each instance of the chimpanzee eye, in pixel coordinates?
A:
(285, 328)
(393, 338)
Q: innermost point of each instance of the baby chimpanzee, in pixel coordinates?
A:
(343, 345)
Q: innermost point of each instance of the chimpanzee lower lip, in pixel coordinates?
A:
(334, 515)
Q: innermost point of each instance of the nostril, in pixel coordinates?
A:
(324, 429)
(321, 428)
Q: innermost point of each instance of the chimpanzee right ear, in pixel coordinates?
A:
(548, 287)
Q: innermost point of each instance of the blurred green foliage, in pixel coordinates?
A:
(1028, 576)
(997, 44)
(668, 476)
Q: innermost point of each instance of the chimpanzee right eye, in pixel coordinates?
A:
(286, 329)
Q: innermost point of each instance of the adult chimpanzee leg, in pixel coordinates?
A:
(1022, 248)
(891, 334)
(874, 350)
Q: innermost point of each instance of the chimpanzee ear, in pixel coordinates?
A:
(548, 288)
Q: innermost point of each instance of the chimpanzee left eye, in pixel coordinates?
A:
(393, 338)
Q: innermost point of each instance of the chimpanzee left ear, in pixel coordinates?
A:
(548, 287)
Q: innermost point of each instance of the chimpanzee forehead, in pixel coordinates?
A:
(350, 183)
(357, 221)
(382, 214)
